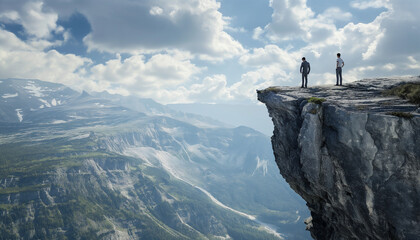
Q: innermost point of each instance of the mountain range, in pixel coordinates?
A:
(101, 166)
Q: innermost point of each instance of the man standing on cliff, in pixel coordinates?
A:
(305, 68)
(339, 69)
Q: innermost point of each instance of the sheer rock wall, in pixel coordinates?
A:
(356, 166)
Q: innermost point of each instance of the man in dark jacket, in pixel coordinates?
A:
(305, 68)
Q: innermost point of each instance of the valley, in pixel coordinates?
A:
(88, 168)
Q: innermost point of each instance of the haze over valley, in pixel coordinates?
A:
(77, 165)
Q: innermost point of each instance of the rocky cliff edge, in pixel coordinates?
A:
(353, 154)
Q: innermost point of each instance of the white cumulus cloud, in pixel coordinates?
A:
(35, 19)
(21, 60)
(137, 73)
(363, 4)
(293, 20)
(388, 45)
(170, 50)
(153, 26)
(269, 55)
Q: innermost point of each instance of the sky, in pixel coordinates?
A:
(205, 51)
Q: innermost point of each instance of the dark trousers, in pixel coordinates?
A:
(304, 80)
(338, 72)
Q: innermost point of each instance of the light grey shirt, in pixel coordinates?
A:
(305, 67)
(340, 63)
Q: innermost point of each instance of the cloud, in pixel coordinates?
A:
(363, 4)
(212, 89)
(287, 20)
(153, 26)
(389, 67)
(156, 11)
(334, 14)
(270, 66)
(402, 31)
(161, 76)
(260, 78)
(147, 26)
(167, 41)
(137, 74)
(413, 63)
(293, 20)
(321, 55)
(388, 45)
(21, 60)
(10, 42)
(35, 19)
(38, 22)
(162, 38)
(270, 54)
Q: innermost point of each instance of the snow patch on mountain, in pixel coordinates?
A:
(10, 95)
(173, 165)
(196, 150)
(297, 219)
(34, 90)
(144, 153)
(261, 164)
(171, 131)
(58, 122)
(267, 227)
(99, 105)
(19, 114)
(77, 117)
(80, 136)
(54, 102)
(47, 104)
(204, 152)
(250, 217)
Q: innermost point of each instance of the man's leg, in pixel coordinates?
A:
(303, 76)
(336, 73)
(340, 71)
(306, 80)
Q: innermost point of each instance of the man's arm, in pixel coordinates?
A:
(343, 64)
(309, 68)
(336, 65)
(301, 67)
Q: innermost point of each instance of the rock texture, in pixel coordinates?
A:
(357, 166)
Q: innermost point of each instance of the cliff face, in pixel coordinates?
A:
(355, 164)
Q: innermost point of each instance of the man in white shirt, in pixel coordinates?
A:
(338, 69)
